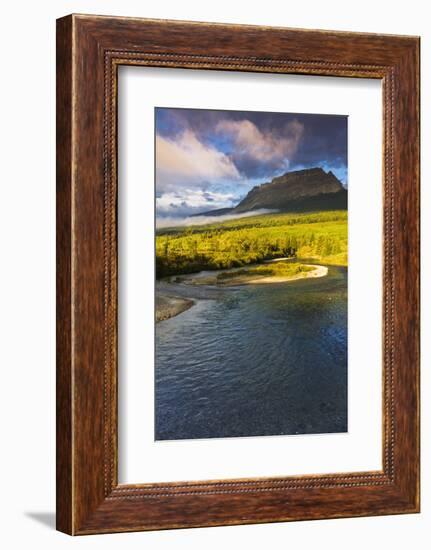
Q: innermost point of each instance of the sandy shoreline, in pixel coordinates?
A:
(170, 306)
(319, 271)
(208, 278)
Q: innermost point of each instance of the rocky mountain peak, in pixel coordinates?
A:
(282, 191)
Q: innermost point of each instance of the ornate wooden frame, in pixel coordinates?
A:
(89, 51)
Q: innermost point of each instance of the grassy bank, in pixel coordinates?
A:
(273, 270)
(254, 274)
(236, 243)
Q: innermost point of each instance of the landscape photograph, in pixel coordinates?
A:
(251, 252)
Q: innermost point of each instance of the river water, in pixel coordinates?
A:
(267, 359)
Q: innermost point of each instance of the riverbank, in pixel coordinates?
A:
(178, 293)
(260, 274)
(317, 271)
(169, 306)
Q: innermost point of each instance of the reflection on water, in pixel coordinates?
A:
(255, 360)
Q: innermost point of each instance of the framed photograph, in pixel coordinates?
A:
(237, 274)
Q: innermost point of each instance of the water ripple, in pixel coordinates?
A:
(256, 360)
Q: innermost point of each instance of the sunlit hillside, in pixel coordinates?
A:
(319, 235)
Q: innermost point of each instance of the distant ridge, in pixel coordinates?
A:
(299, 191)
(217, 212)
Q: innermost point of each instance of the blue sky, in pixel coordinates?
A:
(208, 159)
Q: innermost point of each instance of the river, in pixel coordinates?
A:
(254, 360)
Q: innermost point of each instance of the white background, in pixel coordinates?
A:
(141, 458)
(27, 122)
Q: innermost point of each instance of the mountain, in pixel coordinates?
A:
(299, 191)
(294, 190)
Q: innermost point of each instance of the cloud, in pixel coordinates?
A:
(184, 202)
(186, 159)
(254, 147)
(209, 159)
(204, 220)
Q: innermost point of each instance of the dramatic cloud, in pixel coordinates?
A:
(210, 159)
(185, 158)
(271, 150)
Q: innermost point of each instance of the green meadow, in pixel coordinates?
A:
(320, 236)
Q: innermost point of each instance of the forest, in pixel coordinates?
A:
(319, 236)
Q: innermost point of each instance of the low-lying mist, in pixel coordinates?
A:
(205, 220)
